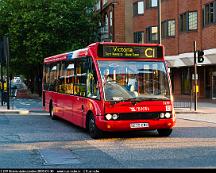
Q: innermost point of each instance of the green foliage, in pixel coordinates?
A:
(41, 28)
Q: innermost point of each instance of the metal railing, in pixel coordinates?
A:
(184, 101)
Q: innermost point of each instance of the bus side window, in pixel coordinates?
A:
(46, 77)
(53, 72)
(92, 81)
(80, 76)
(70, 78)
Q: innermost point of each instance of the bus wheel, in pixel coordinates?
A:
(51, 112)
(164, 132)
(94, 132)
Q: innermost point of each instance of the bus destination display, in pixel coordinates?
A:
(130, 51)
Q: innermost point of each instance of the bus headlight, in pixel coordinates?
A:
(161, 115)
(115, 116)
(108, 116)
(167, 115)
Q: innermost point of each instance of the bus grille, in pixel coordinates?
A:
(138, 116)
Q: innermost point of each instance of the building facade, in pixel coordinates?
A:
(182, 23)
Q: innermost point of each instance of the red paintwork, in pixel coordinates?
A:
(75, 108)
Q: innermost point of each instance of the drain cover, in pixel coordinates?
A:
(58, 156)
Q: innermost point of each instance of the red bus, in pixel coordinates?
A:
(110, 87)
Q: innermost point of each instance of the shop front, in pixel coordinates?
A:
(182, 75)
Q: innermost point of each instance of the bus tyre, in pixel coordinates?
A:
(164, 132)
(94, 132)
(51, 112)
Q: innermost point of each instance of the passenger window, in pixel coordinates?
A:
(81, 67)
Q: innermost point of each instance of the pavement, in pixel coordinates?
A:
(206, 112)
(22, 106)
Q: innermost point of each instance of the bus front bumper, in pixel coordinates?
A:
(128, 125)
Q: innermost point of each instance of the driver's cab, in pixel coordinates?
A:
(116, 86)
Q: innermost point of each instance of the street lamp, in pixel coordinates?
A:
(159, 21)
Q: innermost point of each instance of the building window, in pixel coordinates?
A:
(138, 8)
(188, 21)
(164, 29)
(111, 24)
(152, 34)
(183, 22)
(111, 18)
(104, 2)
(171, 28)
(186, 81)
(106, 21)
(139, 37)
(98, 7)
(151, 3)
(192, 21)
(209, 13)
(168, 28)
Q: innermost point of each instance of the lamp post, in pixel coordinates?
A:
(159, 21)
(195, 77)
(6, 54)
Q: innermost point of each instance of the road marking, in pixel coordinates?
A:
(24, 112)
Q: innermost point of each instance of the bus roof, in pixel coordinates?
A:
(66, 56)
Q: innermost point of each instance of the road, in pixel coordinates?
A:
(36, 141)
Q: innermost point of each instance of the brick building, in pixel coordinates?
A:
(182, 23)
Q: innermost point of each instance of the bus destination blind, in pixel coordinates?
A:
(114, 51)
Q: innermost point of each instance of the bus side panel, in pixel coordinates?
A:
(56, 100)
(69, 105)
(80, 108)
(59, 104)
(48, 97)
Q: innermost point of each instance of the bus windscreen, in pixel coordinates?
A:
(118, 51)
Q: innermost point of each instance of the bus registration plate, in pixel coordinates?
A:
(139, 125)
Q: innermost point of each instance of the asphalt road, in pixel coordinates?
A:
(36, 141)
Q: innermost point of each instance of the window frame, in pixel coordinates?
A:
(189, 29)
(137, 36)
(149, 35)
(169, 28)
(136, 8)
(186, 84)
(206, 12)
(184, 22)
(149, 4)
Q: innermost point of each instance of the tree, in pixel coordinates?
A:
(41, 28)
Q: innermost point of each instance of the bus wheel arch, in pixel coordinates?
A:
(89, 113)
(94, 132)
(51, 112)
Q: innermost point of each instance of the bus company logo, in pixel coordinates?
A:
(139, 109)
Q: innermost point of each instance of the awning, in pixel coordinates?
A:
(187, 59)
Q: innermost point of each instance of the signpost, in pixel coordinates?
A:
(2, 60)
(195, 79)
(6, 56)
